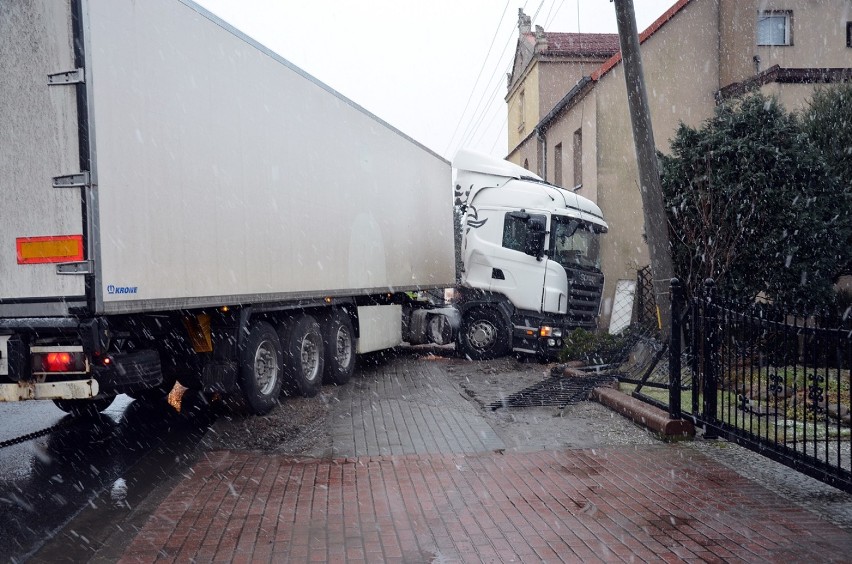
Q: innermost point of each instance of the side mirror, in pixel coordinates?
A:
(537, 234)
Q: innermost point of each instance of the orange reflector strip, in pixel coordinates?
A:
(36, 250)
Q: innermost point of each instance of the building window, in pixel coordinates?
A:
(557, 164)
(521, 103)
(775, 28)
(849, 34)
(578, 159)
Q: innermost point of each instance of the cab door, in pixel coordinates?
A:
(519, 264)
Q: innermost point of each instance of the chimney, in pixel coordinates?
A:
(524, 22)
(540, 39)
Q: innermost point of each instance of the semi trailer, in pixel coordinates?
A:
(179, 203)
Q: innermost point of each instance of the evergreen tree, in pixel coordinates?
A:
(828, 122)
(752, 205)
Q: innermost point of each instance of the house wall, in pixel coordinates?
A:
(583, 116)
(818, 37)
(557, 77)
(527, 152)
(794, 97)
(680, 80)
(519, 126)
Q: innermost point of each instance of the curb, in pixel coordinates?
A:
(653, 418)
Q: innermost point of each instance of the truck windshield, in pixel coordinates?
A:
(574, 243)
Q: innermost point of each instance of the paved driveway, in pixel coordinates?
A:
(416, 471)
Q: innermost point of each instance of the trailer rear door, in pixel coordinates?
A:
(41, 209)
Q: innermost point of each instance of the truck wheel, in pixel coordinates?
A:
(339, 341)
(303, 356)
(260, 368)
(84, 407)
(483, 335)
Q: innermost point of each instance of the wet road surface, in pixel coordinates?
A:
(84, 463)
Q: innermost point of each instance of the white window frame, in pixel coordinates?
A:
(766, 17)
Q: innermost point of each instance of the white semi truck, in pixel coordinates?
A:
(180, 203)
(528, 265)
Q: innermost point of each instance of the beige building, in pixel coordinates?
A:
(698, 53)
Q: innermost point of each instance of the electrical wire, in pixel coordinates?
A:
(478, 76)
(475, 119)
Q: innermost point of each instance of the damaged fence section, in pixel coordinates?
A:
(555, 391)
(774, 380)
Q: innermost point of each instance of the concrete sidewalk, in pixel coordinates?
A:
(418, 474)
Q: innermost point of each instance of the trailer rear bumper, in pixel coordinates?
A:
(119, 373)
(74, 389)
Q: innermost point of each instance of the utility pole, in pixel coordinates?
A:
(656, 224)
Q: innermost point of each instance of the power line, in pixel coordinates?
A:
(549, 20)
(475, 126)
(482, 68)
(465, 134)
(478, 115)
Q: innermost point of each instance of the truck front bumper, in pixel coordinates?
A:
(545, 340)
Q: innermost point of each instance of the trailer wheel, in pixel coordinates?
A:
(260, 368)
(339, 341)
(483, 335)
(303, 356)
(84, 407)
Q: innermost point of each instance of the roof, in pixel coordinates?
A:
(578, 44)
(784, 75)
(651, 30)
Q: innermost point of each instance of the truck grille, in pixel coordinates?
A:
(584, 294)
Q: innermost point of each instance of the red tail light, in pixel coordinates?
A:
(58, 361)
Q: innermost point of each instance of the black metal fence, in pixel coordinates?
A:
(646, 303)
(776, 381)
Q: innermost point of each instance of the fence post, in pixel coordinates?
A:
(710, 380)
(674, 350)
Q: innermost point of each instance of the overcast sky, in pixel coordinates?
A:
(435, 69)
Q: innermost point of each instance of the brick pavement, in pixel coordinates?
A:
(407, 407)
(610, 505)
(418, 475)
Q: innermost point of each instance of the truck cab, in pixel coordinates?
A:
(529, 259)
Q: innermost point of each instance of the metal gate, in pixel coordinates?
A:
(775, 381)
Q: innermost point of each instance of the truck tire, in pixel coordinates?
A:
(303, 356)
(483, 335)
(84, 407)
(339, 342)
(261, 362)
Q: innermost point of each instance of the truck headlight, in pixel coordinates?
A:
(548, 331)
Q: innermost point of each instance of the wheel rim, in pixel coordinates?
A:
(265, 367)
(310, 355)
(343, 347)
(482, 334)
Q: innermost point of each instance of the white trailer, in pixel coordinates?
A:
(180, 202)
